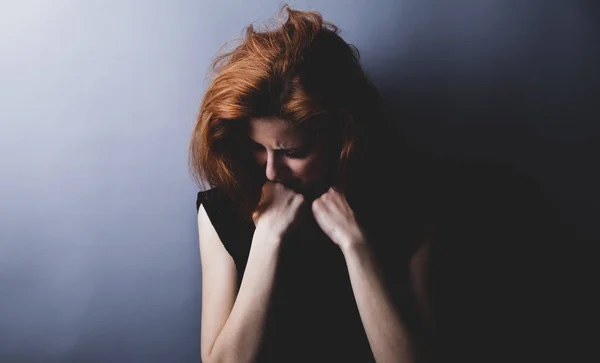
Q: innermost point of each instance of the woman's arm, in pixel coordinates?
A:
(387, 334)
(232, 327)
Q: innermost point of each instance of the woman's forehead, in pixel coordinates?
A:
(276, 131)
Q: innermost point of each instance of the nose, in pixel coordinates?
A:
(274, 168)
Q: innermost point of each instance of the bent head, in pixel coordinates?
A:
(290, 105)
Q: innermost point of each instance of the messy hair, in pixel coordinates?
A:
(296, 71)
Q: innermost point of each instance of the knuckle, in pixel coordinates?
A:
(315, 207)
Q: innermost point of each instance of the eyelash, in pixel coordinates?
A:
(296, 155)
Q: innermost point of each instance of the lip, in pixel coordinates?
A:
(295, 186)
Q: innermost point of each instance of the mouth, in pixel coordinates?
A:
(296, 186)
(314, 191)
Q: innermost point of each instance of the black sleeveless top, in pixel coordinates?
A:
(314, 316)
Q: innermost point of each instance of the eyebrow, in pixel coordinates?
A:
(290, 148)
(280, 149)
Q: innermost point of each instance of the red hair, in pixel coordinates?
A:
(298, 70)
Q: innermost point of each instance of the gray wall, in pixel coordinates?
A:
(98, 243)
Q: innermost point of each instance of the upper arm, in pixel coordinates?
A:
(219, 283)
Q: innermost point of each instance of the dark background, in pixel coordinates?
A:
(502, 97)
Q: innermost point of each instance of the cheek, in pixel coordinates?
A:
(309, 168)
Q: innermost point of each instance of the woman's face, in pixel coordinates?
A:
(297, 160)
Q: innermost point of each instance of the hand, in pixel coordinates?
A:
(277, 210)
(335, 217)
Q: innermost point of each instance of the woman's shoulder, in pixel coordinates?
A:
(234, 231)
(219, 207)
(213, 198)
(202, 196)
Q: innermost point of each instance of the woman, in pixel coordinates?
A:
(303, 258)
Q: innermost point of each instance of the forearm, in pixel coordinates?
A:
(385, 330)
(241, 336)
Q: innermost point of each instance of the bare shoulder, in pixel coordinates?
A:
(211, 247)
(206, 230)
(218, 282)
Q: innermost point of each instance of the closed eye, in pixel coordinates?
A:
(297, 154)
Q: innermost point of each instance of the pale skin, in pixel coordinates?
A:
(233, 323)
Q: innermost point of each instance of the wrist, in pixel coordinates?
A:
(266, 238)
(352, 246)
